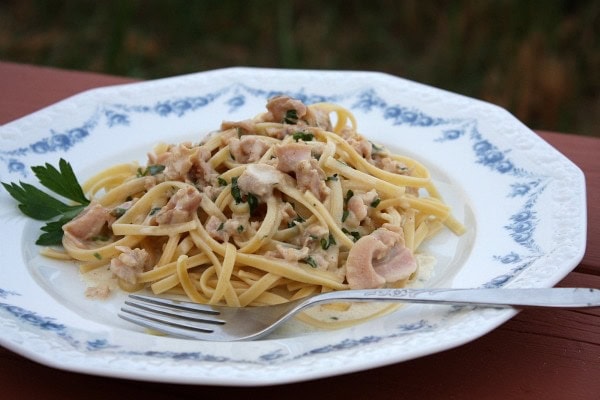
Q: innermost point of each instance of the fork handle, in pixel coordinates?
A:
(496, 297)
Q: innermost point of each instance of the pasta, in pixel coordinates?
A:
(264, 211)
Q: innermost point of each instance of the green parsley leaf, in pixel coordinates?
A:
(53, 233)
(291, 117)
(101, 238)
(155, 169)
(154, 210)
(152, 170)
(375, 202)
(252, 202)
(221, 181)
(375, 148)
(307, 137)
(40, 205)
(326, 243)
(236, 193)
(310, 261)
(295, 221)
(349, 195)
(117, 212)
(355, 235)
(235, 190)
(61, 182)
(345, 215)
(34, 202)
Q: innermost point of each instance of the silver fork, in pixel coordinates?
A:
(222, 323)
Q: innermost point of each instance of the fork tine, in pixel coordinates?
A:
(183, 331)
(204, 322)
(183, 319)
(174, 304)
(164, 312)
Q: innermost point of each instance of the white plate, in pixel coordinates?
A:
(523, 203)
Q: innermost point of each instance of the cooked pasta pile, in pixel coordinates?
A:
(264, 211)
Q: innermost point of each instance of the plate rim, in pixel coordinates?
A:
(91, 94)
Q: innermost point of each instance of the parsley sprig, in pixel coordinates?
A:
(38, 204)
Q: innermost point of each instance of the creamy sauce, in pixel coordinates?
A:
(340, 315)
(98, 279)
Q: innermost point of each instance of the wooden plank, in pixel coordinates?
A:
(585, 152)
(27, 88)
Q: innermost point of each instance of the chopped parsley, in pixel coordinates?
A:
(117, 212)
(252, 202)
(347, 198)
(355, 235)
(221, 181)
(235, 190)
(345, 215)
(375, 148)
(305, 136)
(154, 210)
(291, 117)
(151, 170)
(101, 238)
(349, 195)
(310, 261)
(375, 202)
(326, 243)
(297, 220)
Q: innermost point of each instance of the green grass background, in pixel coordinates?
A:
(539, 59)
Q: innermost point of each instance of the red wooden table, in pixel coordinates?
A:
(536, 355)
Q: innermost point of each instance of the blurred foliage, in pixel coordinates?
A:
(540, 59)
